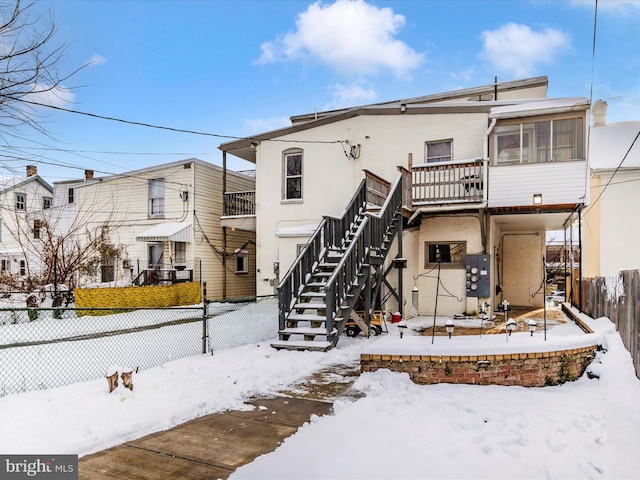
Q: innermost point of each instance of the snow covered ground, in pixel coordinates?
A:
(586, 429)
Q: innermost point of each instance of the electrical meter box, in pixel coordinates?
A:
(478, 268)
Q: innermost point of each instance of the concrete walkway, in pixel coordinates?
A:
(214, 446)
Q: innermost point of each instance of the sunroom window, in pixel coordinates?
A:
(539, 142)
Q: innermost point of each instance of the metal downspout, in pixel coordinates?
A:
(224, 229)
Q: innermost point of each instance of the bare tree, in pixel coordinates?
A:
(29, 64)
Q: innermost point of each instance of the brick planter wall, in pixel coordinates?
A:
(537, 369)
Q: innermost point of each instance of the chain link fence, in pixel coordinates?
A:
(49, 347)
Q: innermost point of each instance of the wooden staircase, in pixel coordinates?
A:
(320, 290)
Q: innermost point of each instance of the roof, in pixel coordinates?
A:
(7, 183)
(197, 161)
(476, 99)
(540, 107)
(168, 231)
(608, 145)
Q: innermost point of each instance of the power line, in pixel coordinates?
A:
(172, 129)
(614, 173)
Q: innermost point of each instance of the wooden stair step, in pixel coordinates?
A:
(307, 331)
(310, 306)
(320, 346)
(306, 317)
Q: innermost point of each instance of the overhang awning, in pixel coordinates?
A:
(167, 232)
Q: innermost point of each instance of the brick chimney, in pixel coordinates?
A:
(599, 113)
(88, 174)
(32, 170)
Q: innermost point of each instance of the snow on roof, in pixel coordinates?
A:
(538, 107)
(172, 231)
(609, 144)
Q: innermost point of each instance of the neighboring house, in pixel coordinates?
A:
(611, 230)
(476, 175)
(25, 204)
(162, 224)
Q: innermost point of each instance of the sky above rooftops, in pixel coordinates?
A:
(220, 70)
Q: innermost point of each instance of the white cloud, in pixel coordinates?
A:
(464, 76)
(517, 49)
(350, 95)
(351, 36)
(96, 60)
(258, 125)
(56, 97)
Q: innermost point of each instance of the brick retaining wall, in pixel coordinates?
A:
(524, 369)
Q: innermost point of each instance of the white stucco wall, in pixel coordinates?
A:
(330, 178)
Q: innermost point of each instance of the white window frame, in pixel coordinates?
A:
(47, 203)
(242, 261)
(438, 158)
(180, 253)
(286, 176)
(21, 201)
(156, 197)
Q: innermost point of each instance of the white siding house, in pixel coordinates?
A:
(25, 203)
(164, 225)
(484, 173)
(611, 230)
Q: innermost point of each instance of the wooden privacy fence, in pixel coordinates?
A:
(617, 298)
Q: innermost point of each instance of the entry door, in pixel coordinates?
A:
(522, 269)
(155, 255)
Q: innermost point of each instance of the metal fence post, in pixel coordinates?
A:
(204, 317)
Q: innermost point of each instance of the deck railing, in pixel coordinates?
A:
(450, 182)
(240, 203)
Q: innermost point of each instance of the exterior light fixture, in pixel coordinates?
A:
(449, 326)
(537, 199)
(403, 107)
(511, 325)
(532, 325)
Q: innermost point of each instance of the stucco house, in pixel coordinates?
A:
(434, 204)
(611, 232)
(24, 203)
(163, 224)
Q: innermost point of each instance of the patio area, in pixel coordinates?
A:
(556, 350)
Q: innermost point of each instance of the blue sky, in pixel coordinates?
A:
(239, 68)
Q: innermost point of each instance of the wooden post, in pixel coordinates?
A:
(113, 381)
(127, 379)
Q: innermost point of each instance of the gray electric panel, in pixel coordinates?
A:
(478, 268)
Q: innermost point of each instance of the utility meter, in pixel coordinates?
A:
(478, 275)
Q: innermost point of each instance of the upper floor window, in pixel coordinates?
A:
(71, 195)
(293, 175)
(21, 201)
(441, 151)
(539, 142)
(37, 225)
(156, 197)
(47, 202)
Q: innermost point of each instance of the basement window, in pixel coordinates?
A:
(448, 255)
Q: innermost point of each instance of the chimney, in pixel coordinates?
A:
(32, 170)
(88, 174)
(599, 113)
